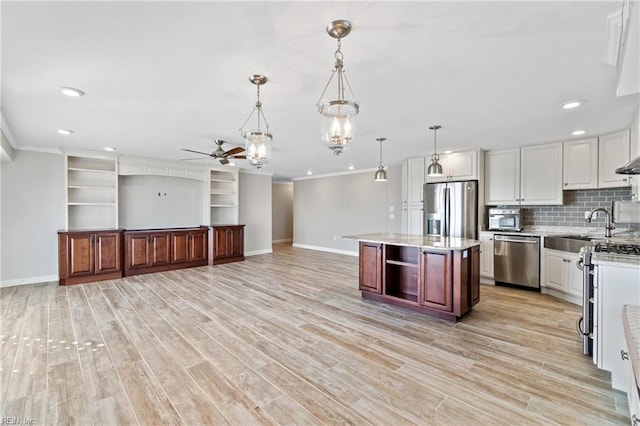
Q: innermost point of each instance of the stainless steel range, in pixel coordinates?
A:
(615, 250)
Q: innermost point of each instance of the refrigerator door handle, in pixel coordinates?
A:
(447, 213)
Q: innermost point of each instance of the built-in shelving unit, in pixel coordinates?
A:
(223, 196)
(401, 272)
(91, 192)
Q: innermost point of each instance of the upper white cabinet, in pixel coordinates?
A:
(613, 152)
(580, 164)
(502, 176)
(530, 175)
(464, 165)
(91, 191)
(413, 176)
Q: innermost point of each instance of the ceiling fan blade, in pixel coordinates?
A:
(197, 152)
(233, 151)
(224, 161)
(239, 157)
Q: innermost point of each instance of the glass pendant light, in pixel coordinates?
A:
(435, 168)
(338, 122)
(257, 141)
(381, 174)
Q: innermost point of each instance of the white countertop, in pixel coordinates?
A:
(623, 261)
(423, 242)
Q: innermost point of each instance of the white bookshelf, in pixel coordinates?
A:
(91, 192)
(223, 196)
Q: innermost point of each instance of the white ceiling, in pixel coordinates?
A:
(160, 76)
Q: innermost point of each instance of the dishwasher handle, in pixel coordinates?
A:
(525, 240)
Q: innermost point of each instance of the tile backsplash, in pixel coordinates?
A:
(571, 213)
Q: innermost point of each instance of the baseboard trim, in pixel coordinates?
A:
(327, 249)
(30, 280)
(286, 240)
(257, 252)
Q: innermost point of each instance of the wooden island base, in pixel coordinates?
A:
(442, 281)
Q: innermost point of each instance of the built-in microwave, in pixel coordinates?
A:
(501, 219)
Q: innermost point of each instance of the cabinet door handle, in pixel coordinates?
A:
(566, 184)
(624, 179)
(635, 421)
(624, 355)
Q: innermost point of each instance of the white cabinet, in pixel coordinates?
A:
(616, 286)
(561, 273)
(91, 191)
(222, 196)
(464, 165)
(530, 175)
(486, 254)
(613, 152)
(412, 193)
(580, 164)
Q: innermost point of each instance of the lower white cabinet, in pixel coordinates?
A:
(616, 286)
(486, 254)
(562, 274)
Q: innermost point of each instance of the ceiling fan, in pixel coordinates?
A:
(220, 154)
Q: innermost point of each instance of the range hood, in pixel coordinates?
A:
(631, 168)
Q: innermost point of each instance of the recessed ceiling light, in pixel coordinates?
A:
(578, 132)
(232, 164)
(447, 151)
(71, 91)
(109, 148)
(351, 167)
(572, 104)
(309, 172)
(65, 131)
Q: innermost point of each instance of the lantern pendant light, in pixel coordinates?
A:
(338, 122)
(381, 174)
(257, 141)
(435, 168)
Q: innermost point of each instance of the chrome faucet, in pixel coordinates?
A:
(608, 225)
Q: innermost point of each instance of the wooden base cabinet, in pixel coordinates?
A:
(89, 256)
(441, 283)
(163, 250)
(226, 244)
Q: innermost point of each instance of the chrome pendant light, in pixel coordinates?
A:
(381, 174)
(338, 122)
(257, 141)
(435, 168)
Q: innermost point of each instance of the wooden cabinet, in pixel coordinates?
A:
(370, 267)
(437, 287)
(530, 175)
(89, 256)
(443, 283)
(580, 164)
(164, 250)
(189, 246)
(226, 244)
(464, 165)
(613, 152)
(413, 179)
(486, 254)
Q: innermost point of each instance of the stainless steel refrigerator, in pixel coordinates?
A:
(451, 209)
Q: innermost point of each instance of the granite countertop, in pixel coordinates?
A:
(622, 261)
(620, 236)
(423, 242)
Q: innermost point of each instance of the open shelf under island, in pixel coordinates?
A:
(435, 275)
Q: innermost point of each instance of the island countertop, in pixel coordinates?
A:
(423, 242)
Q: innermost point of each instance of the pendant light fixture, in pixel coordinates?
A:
(381, 174)
(257, 141)
(338, 122)
(435, 168)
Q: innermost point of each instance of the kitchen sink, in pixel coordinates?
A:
(570, 243)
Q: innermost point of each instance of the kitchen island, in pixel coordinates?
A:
(434, 275)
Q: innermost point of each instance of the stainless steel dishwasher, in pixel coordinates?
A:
(516, 260)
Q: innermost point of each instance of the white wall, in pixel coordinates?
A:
(327, 208)
(282, 211)
(635, 136)
(32, 213)
(254, 204)
(178, 205)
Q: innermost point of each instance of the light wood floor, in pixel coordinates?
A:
(286, 339)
